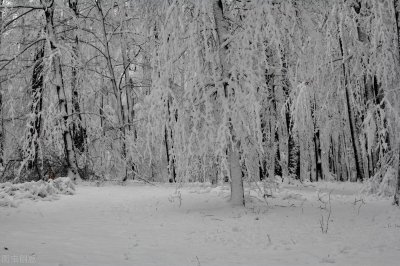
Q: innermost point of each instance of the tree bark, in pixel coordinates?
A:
(125, 63)
(1, 128)
(78, 130)
(396, 90)
(317, 143)
(273, 144)
(351, 118)
(237, 191)
(2, 137)
(59, 84)
(397, 191)
(36, 109)
(169, 144)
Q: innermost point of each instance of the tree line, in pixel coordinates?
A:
(205, 91)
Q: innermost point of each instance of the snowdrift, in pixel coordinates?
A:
(12, 194)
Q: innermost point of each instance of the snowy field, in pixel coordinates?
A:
(141, 224)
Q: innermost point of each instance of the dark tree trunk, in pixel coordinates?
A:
(294, 156)
(317, 147)
(169, 145)
(316, 140)
(78, 130)
(397, 192)
(60, 88)
(1, 129)
(396, 7)
(2, 136)
(351, 119)
(36, 110)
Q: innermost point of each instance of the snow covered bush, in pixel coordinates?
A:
(382, 185)
(12, 194)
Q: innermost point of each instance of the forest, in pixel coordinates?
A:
(205, 91)
(234, 99)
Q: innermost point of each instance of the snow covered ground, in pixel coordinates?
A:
(141, 224)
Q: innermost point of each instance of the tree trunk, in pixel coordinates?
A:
(351, 117)
(369, 95)
(294, 154)
(101, 108)
(169, 144)
(237, 192)
(273, 144)
(78, 130)
(125, 63)
(281, 97)
(397, 191)
(317, 145)
(36, 108)
(396, 90)
(116, 91)
(1, 130)
(127, 101)
(120, 110)
(1, 98)
(62, 102)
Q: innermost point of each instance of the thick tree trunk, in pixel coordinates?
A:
(237, 192)
(351, 118)
(317, 147)
(62, 102)
(252, 164)
(36, 108)
(294, 154)
(78, 130)
(371, 150)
